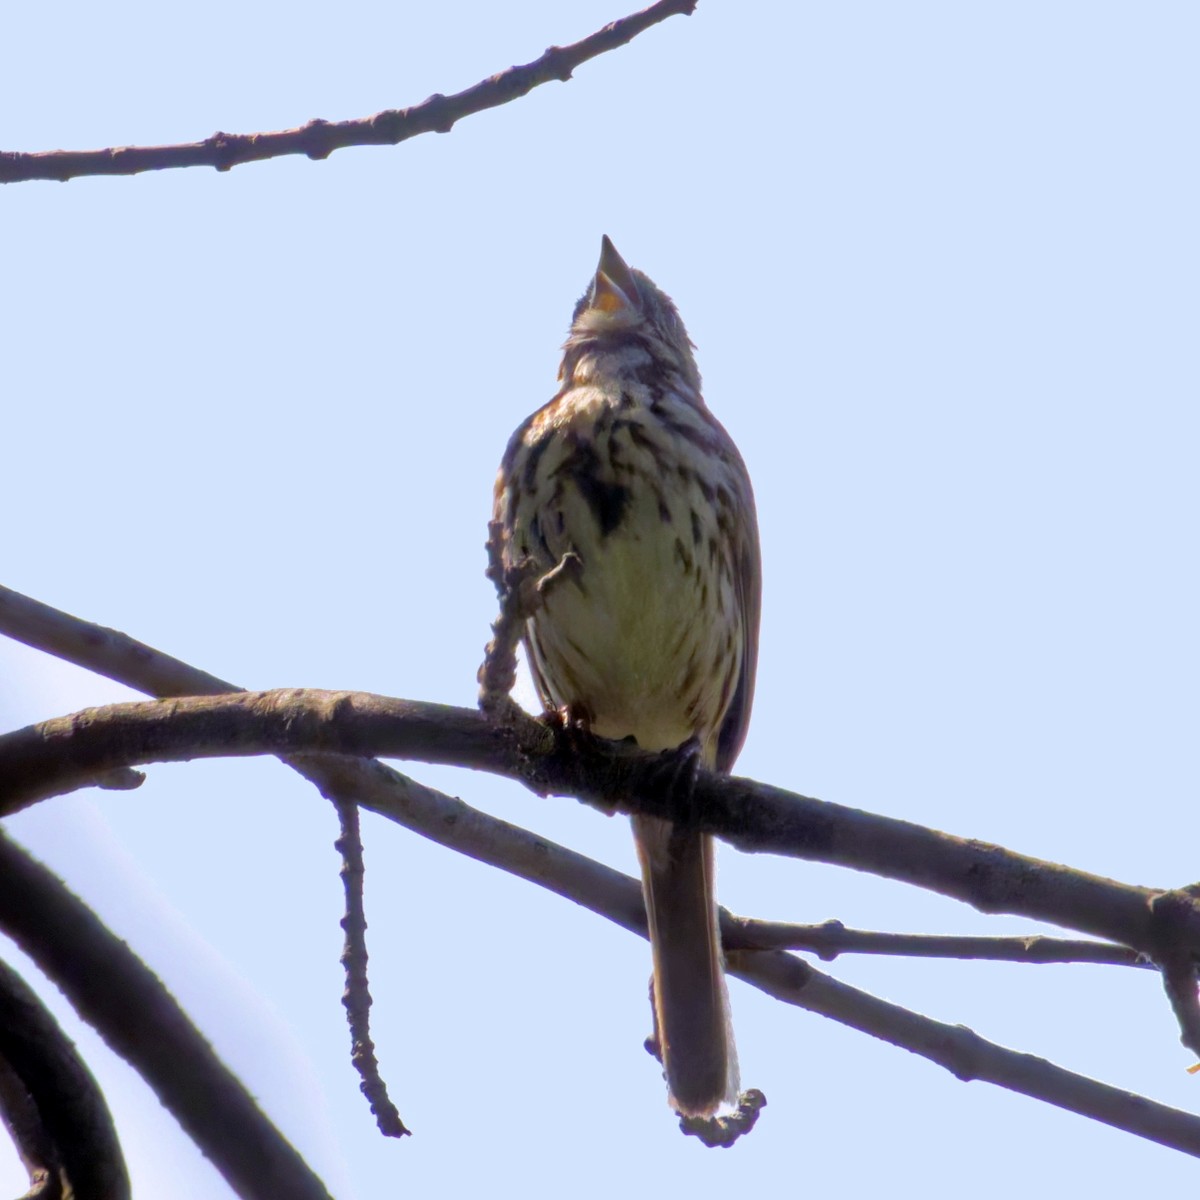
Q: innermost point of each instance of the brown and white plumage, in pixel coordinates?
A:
(655, 634)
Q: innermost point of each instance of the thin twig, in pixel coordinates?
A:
(965, 1054)
(108, 652)
(318, 139)
(831, 938)
(498, 672)
(521, 592)
(357, 996)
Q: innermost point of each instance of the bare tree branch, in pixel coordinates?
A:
(1171, 911)
(58, 755)
(319, 138)
(831, 938)
(133, 663)
(20, 1117)
(606, 892)
(516, 588)
(52, 1104)
(117, 994)
(521, 592)
(969, 1057)
(108, 652)
(357, 997)
(126, 660)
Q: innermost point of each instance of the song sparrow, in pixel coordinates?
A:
(654, 631)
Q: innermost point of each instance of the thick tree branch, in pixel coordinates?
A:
(60, 755)
(117, 994)
(1171, 911)
(52, 1105)
(319, 139)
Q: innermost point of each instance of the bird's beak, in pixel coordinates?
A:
(614, 288)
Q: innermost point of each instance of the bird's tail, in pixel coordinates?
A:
(691, 1002)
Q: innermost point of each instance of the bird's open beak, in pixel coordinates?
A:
(614, 287)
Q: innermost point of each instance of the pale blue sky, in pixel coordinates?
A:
(940, 262)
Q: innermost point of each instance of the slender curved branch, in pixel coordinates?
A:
(831, 938)
(107, 652)
(22, 1120)
(318, 139)
(52, 1104)
(356, 999)
(59, 755)
(117, 994)
(969, 1057)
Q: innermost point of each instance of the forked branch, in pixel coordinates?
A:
(60, 755)
(452, 823)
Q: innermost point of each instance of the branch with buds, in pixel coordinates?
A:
(319, 138)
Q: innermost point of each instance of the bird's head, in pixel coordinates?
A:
(624, 308)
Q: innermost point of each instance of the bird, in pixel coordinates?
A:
(626, 476)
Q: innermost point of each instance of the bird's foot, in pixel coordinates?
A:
(674, 778)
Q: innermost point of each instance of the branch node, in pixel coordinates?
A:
(318, 139)
(224, 147)
(556, 66)
(120, 779)
(438, 112)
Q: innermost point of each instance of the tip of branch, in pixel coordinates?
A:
(722, 1132)
(121, 779)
